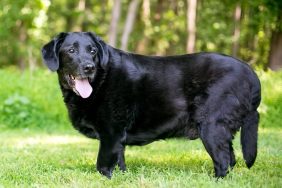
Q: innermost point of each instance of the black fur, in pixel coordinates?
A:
(139, 99)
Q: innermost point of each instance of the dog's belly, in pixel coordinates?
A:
(179, 126)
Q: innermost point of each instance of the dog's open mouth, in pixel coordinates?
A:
(81, 86)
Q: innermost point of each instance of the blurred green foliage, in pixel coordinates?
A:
(31, 100)
(22, 25)
(271, 106)
(25, 25)
(21, 109)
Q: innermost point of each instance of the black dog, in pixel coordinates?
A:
(123, 99)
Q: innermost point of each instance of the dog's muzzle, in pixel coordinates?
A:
(81, 86)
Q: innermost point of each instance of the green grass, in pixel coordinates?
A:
(68, 160)
(39, 148)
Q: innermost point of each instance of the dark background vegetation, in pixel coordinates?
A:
(249, 30)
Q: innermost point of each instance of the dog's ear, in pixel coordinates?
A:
(50, 52)
(103, 52)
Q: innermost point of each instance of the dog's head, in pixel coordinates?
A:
(76, 57)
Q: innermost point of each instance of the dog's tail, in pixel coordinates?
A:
(249, 137)
(249, 130)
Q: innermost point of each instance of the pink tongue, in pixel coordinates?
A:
(83, 87)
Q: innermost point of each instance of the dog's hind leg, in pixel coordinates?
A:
(216, 140)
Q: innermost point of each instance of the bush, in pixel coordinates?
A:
(31, 100)
(19, 111)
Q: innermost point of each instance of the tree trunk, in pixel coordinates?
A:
(70, 23)
(131, 14)
(159, 10)
(141, 47)
(79, 21)
(236, 35)
(22, 39)
(275, 55)
(87, 14)
(191, 25)
(114, 23)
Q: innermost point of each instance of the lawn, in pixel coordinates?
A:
(38, 147)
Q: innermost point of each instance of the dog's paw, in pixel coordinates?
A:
(122, 167)
(106, 172)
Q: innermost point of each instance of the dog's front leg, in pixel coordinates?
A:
(121, 160)
(108, 155)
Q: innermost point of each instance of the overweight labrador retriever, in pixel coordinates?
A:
(124, 99)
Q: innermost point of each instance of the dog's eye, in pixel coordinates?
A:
(71, 50)
(93, 51)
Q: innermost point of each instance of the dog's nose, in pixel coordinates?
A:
(89, 68)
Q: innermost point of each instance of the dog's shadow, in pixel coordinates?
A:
(160, 164)
(163, 164)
